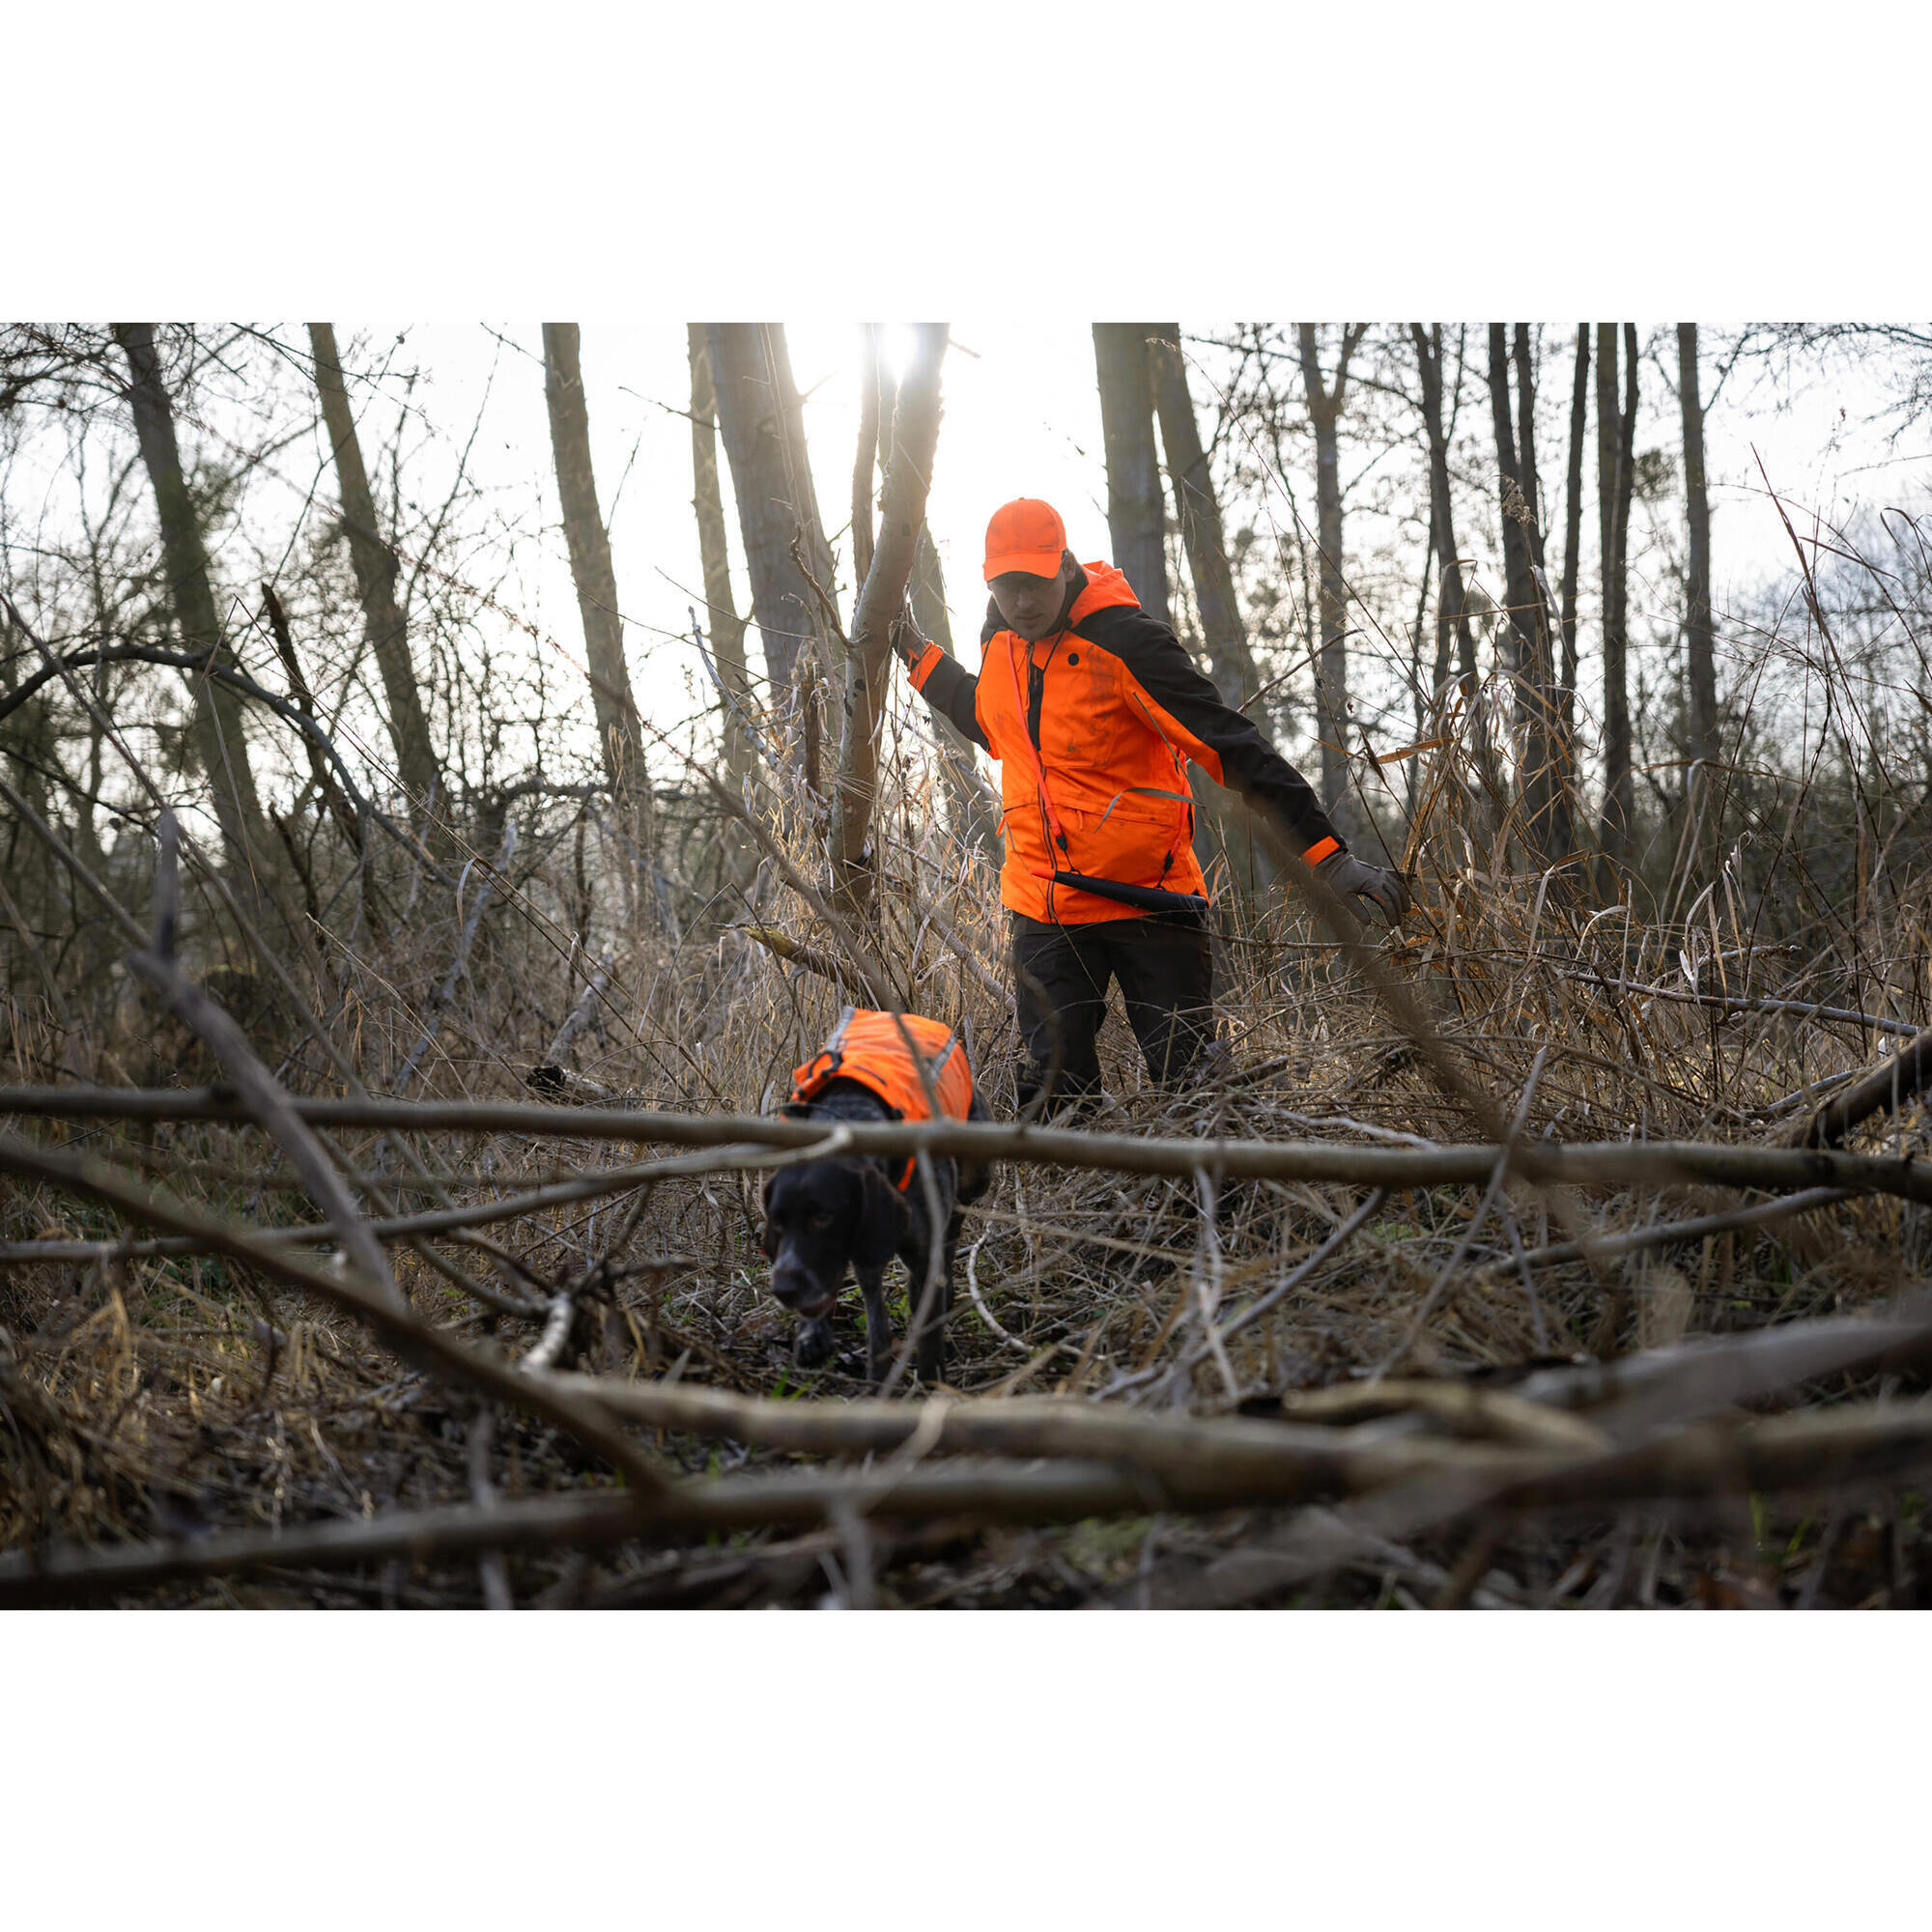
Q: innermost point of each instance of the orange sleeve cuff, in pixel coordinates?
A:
(1326, 849)
(922, 667)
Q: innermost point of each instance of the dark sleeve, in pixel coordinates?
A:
(1226, 746)
(950, 690)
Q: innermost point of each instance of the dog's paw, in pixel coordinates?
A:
(815, 1345)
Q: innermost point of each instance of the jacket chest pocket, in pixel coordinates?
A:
(1084, 720)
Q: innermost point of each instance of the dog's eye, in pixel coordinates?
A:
(821, 1219)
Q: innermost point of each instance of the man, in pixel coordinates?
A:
(1093, 709)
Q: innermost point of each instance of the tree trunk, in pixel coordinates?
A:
(1452, 613)
(972, 812)
(762, 421)
(868, 665)
(1135, 522)
(1230, 664)
(725, 629)
(1230, 661)
(1331, 679)
(1615, 475)
(1572, 532)
(1541, 768)
(1528, 474)
(376, 570)
(1699, 637)
(219, 742)
(617, 722)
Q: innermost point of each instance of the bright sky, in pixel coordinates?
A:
(1021, 416)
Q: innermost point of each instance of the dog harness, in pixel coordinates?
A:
(869, 1047)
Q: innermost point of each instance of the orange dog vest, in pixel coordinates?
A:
(868, 1047)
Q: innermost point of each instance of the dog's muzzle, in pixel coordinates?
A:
(803, 1294)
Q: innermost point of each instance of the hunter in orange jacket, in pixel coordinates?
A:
(1095, 710)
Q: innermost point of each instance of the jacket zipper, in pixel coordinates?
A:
(1036, 705)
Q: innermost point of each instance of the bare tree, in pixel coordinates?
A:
(376, 571)
(1135, 522)
(618, 726)
(1326, 403)
(761, 418)
(725, 629)
(220, 745)
(914, 436)
(1231, 662)
(972, 811)
(1452, 613)
(1698, 630)
(1616, 475)
(1545, 822)
(1573, 532)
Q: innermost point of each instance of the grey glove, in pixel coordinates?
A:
(1367, 888)
(906, 639)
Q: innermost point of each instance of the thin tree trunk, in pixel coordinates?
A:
(868, 665)
(1230, 664)
(1615, 475)
(1698, 637)
(376, 570)
(1135, 522)
(1527, 470)
(1452, 615)
(724, 627)
(1540, 769)
(1572, 530)
(1331, 681)
(219, 742)
(972, 812)
(761, 418)
(875, 415)
(1548, 692)
(617, 722)
(1230, 661)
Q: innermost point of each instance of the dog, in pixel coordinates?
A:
(856, 1212)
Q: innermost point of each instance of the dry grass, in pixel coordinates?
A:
(146, 1395)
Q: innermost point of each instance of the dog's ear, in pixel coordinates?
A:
(765, 1237)
(883, 1220)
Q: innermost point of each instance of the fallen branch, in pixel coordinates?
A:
(1584, 1164)
(1903, 1077)
(1666, 1234)
(1740, 1004)
(1863, 1443)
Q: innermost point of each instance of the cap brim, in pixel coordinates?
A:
(1032, 562)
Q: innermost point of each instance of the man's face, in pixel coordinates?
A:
(1030, 605)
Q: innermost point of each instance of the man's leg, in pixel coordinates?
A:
(1059, 985)
(1165, 965)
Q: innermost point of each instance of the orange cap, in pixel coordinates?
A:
(1025, 534)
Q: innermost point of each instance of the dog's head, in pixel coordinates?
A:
(822, 1218)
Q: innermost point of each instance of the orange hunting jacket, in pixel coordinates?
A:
(866, 1047)
(1094, 727)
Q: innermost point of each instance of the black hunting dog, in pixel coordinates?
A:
(858, 1210)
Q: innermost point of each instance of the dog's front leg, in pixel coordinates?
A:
(878, 1331)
